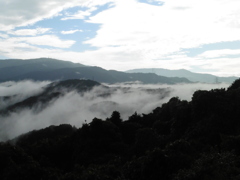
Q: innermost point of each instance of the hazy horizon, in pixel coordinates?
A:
(124, 70)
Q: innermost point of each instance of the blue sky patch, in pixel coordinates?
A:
(152, 2)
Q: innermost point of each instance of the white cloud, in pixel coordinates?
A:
(71, 31)
(3, 35)
(225, 66)
(46, 40)
(219, 53)
(80, 14)
(155, 31)
(27, 88)
(159, 30)
(29, 32)
(18, 91)
(26, 47)
(93, 3)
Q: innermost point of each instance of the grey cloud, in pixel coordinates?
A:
(17, 13)
(21, 13)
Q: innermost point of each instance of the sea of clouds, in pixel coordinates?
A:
(75, 109)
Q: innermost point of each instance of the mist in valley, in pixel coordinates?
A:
(12, 92)
(75, 109)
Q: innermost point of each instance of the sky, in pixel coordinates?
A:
(198, 35)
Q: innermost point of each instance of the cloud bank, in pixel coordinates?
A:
(13, 92)
(75, 109)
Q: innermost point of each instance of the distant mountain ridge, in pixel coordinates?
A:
(52, 69)
(195, 77)
(45, 62)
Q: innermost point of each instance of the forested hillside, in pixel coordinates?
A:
(181, 140)
(43, 69)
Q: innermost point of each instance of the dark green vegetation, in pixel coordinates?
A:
(197, 140)
(51, 69)
(195, 77)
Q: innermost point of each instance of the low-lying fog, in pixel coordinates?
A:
(75, 109)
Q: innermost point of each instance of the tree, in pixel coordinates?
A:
(115, 118)
(235, 84)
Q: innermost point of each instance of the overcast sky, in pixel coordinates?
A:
(198, 35)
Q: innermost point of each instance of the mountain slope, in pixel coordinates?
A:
(98, 74)
(45, 62)
(49, 69)
(195, 77)
(13, 67)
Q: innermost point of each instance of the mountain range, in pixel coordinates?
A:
(52, 69)
(194, 77)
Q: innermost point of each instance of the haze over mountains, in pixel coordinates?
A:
(63, 92)
(80, 128)
(194, 77)
(52, 69)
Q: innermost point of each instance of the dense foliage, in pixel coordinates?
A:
(197, 140)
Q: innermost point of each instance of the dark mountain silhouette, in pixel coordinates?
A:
(194, 77)
(180, 140)
(39, 63)
(50, 69)
(14, 67)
